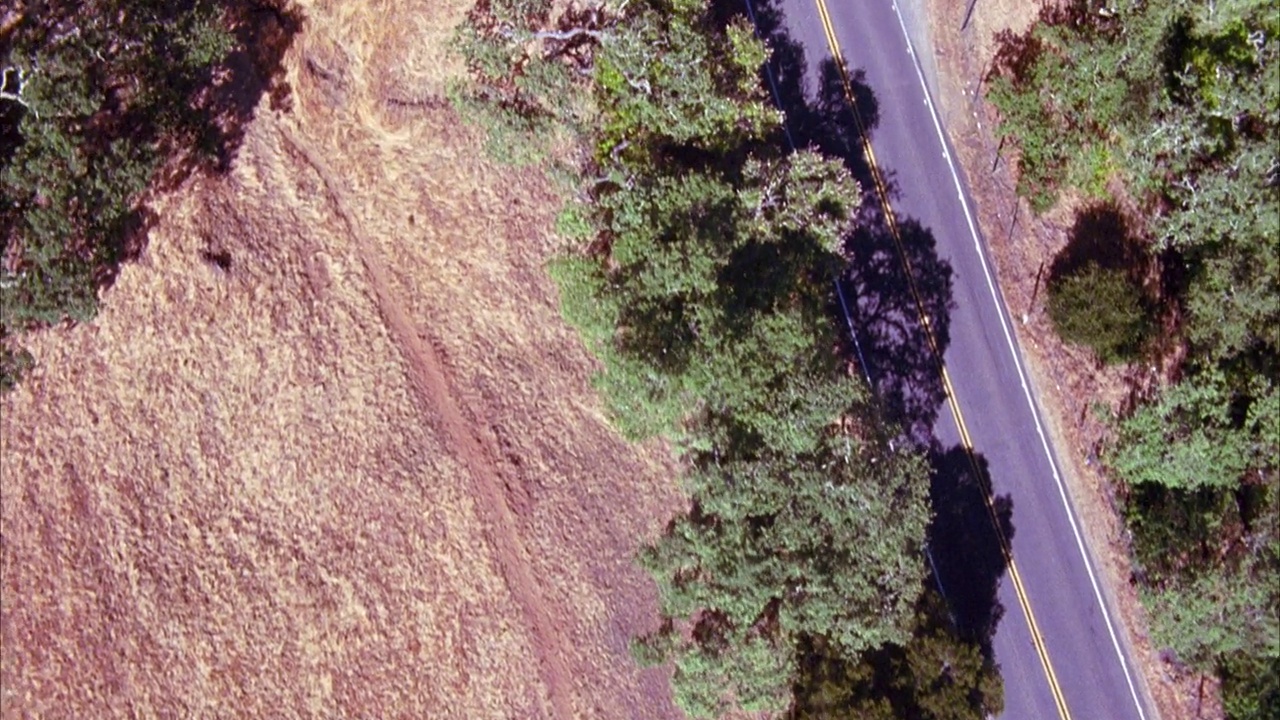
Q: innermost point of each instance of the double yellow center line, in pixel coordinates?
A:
(891, 221)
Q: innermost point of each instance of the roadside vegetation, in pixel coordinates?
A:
(703, 281)
(1175, 107)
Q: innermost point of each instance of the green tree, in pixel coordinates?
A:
(1101, 309)
(668, 82)
(706, 289)
(658, 79)
(1251, 687)
(719, 286)
(1199, 434)
(935, 675)
(1217, 614)
(522, 87)
(780, 549)
(714, 288)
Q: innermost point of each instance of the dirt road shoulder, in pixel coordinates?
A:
(962, 37)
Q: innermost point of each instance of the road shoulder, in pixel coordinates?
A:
(1064, 382)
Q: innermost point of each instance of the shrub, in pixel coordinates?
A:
(1102, 309)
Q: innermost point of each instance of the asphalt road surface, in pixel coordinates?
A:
(1097, 679)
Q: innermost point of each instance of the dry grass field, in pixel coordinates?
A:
(357, 472)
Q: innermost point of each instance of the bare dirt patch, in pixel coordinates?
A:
(1068, 379)
(329, 450)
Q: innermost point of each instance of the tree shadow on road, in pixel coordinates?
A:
(818, 113)
(887, 333)
(884, 306)
(965, 545)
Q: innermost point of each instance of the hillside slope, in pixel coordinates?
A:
(329, 449)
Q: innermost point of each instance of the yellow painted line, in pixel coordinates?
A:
(882, 193)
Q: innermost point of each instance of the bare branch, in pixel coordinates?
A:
(563, 35)
(641, 85)
(617, 150)
(15, 96)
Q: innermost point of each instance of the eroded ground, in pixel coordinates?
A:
(329, 450)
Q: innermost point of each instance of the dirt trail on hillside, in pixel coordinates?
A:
(355, 467)
(469, 444)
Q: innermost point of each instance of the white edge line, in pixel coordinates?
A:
(1062, 493)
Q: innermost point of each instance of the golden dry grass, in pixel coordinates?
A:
(359, 474)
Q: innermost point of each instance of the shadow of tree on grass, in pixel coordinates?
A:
(1100, 236)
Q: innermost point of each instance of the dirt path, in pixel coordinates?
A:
(473, 447)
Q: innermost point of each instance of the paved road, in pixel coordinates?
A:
(1097, 681)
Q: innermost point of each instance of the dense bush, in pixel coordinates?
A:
(1101, 309)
